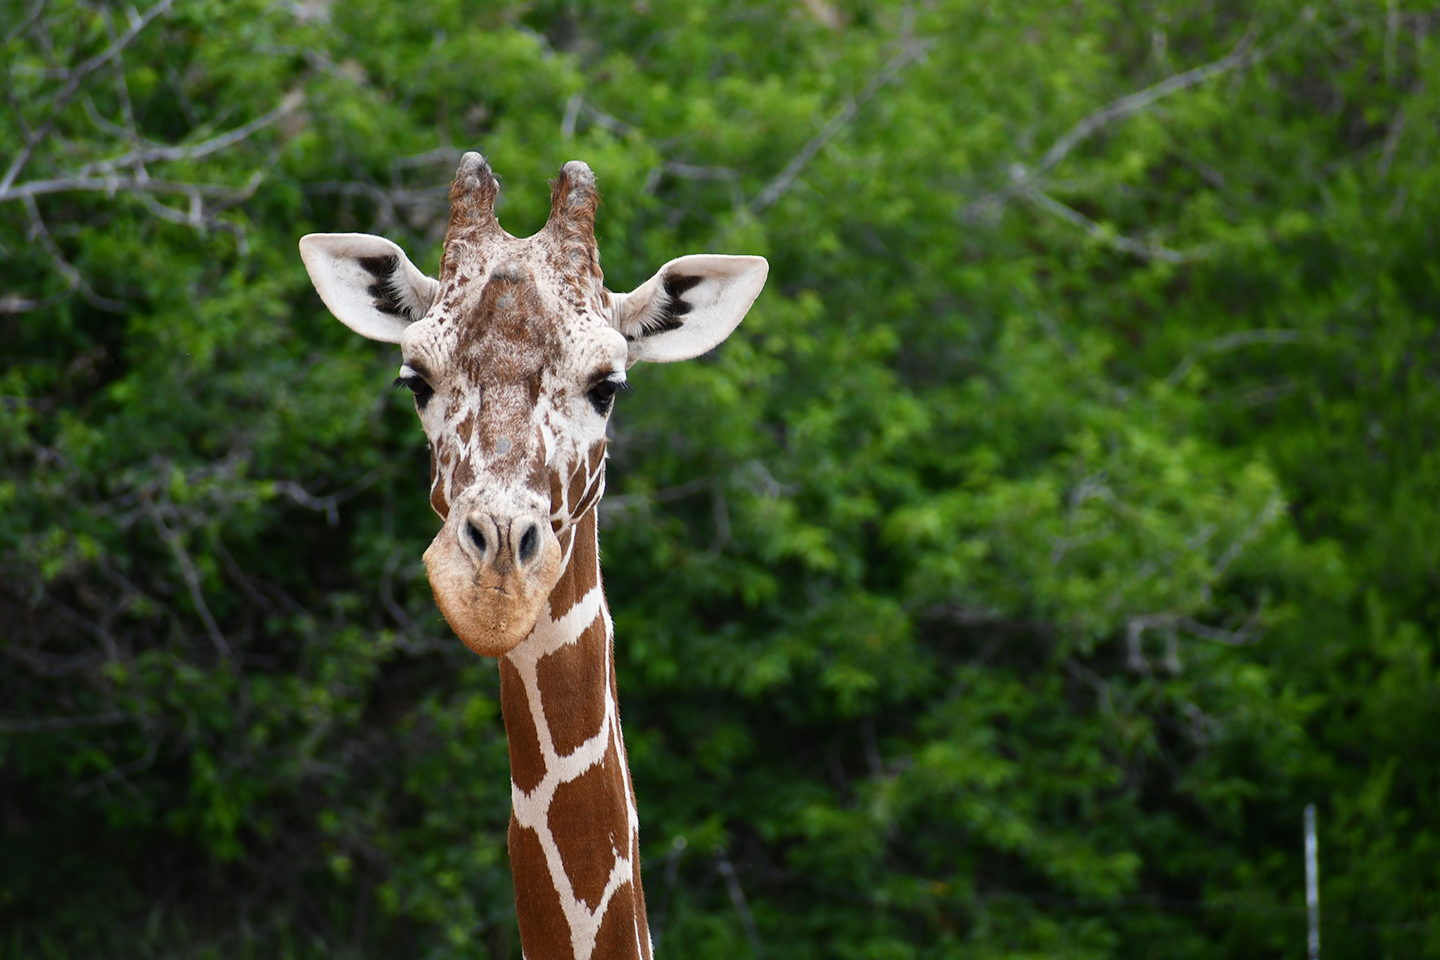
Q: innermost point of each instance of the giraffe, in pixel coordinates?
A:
(514, 355)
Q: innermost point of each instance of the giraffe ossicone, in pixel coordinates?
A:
(514, 355)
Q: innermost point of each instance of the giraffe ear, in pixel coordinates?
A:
(367, 282)
(688, 307)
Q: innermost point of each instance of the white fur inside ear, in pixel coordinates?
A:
(689, 306)
(367, 282)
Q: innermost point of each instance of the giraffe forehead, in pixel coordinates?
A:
(518, 311)
(528, 366)
(566, 272)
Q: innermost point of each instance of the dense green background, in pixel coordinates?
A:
(1063, 519)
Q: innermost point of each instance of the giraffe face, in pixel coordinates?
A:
(514, 372)
(514, 356)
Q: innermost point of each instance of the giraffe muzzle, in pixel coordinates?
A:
(500, 542)
(492, 573)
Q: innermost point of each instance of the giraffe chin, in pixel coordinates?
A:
(490, 611)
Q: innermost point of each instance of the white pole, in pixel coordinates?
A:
(1312, 882)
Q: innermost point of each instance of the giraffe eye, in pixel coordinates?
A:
(602, 395)
(416, 385)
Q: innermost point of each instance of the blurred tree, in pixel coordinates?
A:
(1061, 521)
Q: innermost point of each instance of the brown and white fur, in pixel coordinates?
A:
(514, 355)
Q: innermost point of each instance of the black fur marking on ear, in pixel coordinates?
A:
(387, 299)
(675, 305)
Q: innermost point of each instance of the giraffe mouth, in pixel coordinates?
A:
(492, 576)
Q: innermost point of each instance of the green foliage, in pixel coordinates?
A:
(1059, 523)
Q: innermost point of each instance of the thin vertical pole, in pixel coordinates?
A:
(1312, 882)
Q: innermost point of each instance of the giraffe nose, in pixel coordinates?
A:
(528, 546)
(475, 530)
(492, 567)
(502, 543)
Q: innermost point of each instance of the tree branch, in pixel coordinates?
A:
(72, 86)
(1237, 546)
(1242, 55)
(193, 151)
(1027, 183)
(1147, 251)
(36, 9)
(776, 188)
(737, 898)
(1243, 338)
(50, 724)
(126, 170)
(72, 276)
(192, 578)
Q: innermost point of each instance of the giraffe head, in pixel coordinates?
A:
(514, 356)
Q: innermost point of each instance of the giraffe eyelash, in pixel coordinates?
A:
(615, 383)
(416, 385)
(602, 395)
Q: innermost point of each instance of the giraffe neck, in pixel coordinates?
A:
(574, 831)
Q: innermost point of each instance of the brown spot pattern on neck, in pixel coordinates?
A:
(574, 834)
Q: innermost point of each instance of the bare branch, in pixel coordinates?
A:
(152, 748)
(194, 217)
(617, 504)
(1271, 392)
(72, 86)
(1234, 638)
(35, 10)
(1199, 721)
(1232, 341)
(191, 576)
(720, 512)
(111, 127)
(692, 172)
(1134, 630)
(1237, 546)
(15, 303)
(126, 171)
(672, 872)
(390, 200)
(776, 188)
(72, 275)
(192, 151)
(1146, 251)
(114, 184)
(1392, 142)
(387, 591)
(604, 120)
(737, 897)
(448, 155)
(96, 630)
(198, 218)
(1079, 671)
(122, 89)
(138, 22)
(1026, 182)
(1392, 32)
(1170, 623)
(411, 637)
(50, 724)
(572, 114)
(1135, 102)
(327, 505)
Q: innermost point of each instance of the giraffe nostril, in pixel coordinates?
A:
(529, 544)
(476, 536)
